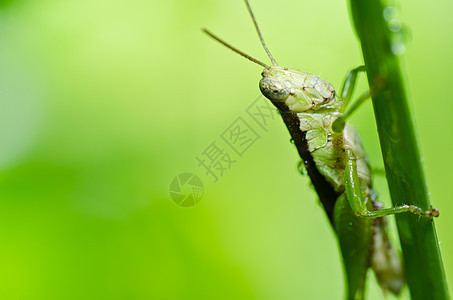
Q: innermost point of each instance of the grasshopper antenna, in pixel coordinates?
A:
(259, 32)
(235, 49)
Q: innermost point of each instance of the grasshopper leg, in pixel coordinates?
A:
(340, 122)
(358, 204)
(349, 84)
(347, 90)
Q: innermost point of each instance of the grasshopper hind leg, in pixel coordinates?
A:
(355, 235)
(385, 261)
(364, 244)
(358, 204)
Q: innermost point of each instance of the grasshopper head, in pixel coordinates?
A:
(289, 90)
(295, 91)
(274, 85)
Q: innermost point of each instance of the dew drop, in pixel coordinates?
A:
(291, 141)
(398, 48)
(399, 41)
(394, 25)
(398, 38)
(390, 13)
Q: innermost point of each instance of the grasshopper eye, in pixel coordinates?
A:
(274, 90)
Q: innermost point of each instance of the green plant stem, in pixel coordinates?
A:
(423, 263)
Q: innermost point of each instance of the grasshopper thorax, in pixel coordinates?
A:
(299, 91)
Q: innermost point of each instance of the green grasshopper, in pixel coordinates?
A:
(336, 162)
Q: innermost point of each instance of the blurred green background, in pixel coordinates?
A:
(103, 103)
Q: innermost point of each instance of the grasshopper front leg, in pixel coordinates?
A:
(347, 90)
(358, 204)
(349, 84)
